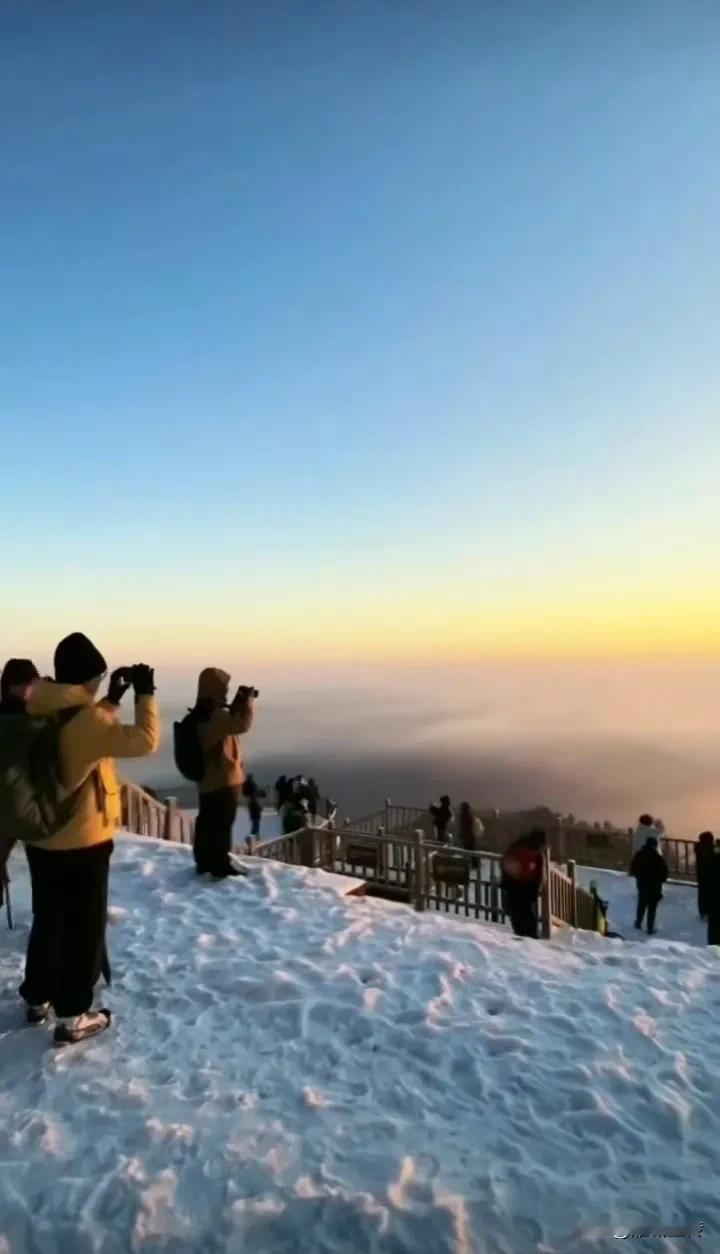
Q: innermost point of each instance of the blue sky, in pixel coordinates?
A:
(372, 304)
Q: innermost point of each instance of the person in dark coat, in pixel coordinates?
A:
(313, 798)
(522, 877)
(650, 871)
(254, 797)
(712, 896)
(442, 817)
(469, 828)
(704, 851)
(281, 792)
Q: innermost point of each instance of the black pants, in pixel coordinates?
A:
(213, 831)
(649, 903)
(66, 950)
(703, 899)
(713, 937)
(521, 905)
(255, 813)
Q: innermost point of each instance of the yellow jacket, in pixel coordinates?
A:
(224, 767)
(88, 745)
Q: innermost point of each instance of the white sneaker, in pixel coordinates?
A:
(81, 1027)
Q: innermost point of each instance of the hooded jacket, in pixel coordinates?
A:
(88, 744)
(642, 832)
(224, 766)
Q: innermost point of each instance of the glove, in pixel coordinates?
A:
(120, 681)
(143, 680)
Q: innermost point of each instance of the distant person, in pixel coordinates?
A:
(330, 809)
(650, 871)
(442, 817)
(295, 815)
(218, 729)
(704, 853)
(645, 828)
(300, 789)
(522, 877)
(254, 797)
(16, 683)
(469, 828)
(69, 870)
(281, 792)
(313, 798)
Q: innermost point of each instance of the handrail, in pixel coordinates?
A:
(680, 857)
(145, 815)
(565, 903)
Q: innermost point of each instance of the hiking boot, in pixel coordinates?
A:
(81, 1027)
(38, 1014)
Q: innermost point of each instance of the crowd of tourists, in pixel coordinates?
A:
(60, 796)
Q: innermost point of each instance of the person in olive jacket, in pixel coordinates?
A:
(224, 770)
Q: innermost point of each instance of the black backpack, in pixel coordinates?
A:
(33, 803)
(189, 757)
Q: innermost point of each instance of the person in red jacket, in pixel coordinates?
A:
(522, 876)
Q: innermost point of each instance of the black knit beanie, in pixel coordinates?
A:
(77, 661)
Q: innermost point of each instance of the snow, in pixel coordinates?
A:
(291, 1070)
(677, 916)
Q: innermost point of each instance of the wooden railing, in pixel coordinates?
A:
(409, 868)
(432, 876)
(462, 881)
(144, 815)
(395, 820)
(565, 903)
(680, 857)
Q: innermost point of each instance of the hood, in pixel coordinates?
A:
(213, 685)
(50, 698)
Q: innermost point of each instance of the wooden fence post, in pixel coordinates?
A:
(387, 814)
(562, 841)
(419, 870)
(304, 842)
(170, 817)
(546, 904)
(573, 892)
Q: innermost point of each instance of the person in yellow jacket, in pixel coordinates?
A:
(69, 870)
(224, 771)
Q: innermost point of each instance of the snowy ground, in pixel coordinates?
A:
(291, 1071)
(677, 916)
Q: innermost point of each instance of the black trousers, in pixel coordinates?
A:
(703, 899)
(713, 927)
(213, 830)
(255, 813)
(646, 903)
(521, 905)
(66, 951)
